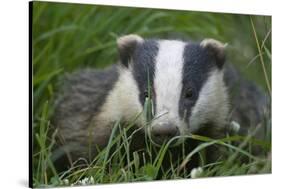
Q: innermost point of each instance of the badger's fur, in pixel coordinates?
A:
(190, 92)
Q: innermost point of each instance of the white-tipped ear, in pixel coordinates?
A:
(128, 39)
(212, 42)
(215, 48)
(126, 47)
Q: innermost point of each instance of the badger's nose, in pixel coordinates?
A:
(163, 132)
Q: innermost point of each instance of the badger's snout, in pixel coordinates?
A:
(162, 132)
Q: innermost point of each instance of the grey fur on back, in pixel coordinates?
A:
(83, 93)
(248, 102)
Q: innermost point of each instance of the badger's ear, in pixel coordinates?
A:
(216, 49)
(126, 47)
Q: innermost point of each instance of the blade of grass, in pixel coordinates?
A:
(261, 57)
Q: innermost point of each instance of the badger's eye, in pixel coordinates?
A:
(188, 93)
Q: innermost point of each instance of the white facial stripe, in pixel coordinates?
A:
(168, 79)
(212, 103)
(121, 103)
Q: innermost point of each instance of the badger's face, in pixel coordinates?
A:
(186, 82)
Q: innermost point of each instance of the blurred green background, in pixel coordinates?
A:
(66, 37)
(71, 36)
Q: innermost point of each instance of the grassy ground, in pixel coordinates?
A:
(67, 37)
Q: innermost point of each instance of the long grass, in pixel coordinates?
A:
(67, 37)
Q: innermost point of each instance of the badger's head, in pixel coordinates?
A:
(186, 79)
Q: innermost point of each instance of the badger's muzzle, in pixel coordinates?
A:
(162, 132)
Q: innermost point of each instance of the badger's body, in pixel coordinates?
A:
(190, 90)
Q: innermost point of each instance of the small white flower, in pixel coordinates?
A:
(234, 126)
(196, 172)
(86, 181)
(65, 182)
(92, 181)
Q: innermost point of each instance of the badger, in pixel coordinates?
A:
(188, 83)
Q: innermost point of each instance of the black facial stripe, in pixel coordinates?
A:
(197, 66)
(144, 65)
